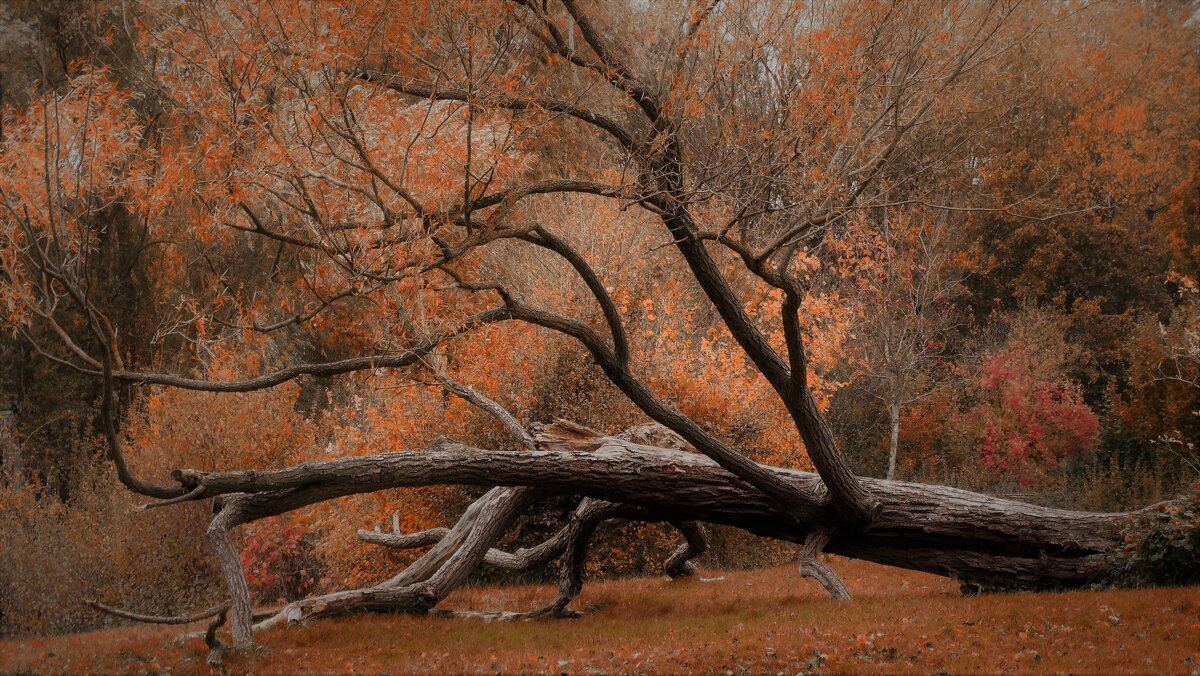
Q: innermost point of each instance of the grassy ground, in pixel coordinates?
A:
(765, 621)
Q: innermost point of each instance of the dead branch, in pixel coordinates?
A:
(159, 619)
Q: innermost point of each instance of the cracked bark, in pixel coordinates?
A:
(940, 530)
(813, 567)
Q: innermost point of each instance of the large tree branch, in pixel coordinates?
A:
(496, 512)
(321, 370)
(850, 497)
(684, 486)
(423, 90)
(662, 412)
(548, 186)
(846, 490)
(614, 70)
(546, 239)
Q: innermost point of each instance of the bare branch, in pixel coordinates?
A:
(426, 91)
(614, 71)
(484, 403)
(321, 370)
(544, 238)
(159, 619)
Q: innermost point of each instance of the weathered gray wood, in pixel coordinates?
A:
(812, 566)
(494, 513)
(232, 512)
(943, 530)
(695, 543)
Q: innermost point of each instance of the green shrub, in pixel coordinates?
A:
(1162, 545)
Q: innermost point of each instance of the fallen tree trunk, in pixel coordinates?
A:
(947, 531)
(978, 539)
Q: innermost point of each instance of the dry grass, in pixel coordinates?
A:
(758, 621)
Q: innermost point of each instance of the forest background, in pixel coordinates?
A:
(1025, 322)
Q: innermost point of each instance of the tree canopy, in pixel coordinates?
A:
(760, 226)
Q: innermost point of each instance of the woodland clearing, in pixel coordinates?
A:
(759, 621)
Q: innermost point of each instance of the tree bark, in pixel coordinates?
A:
(813, 567)
(894, 443)
(946, 531)
(229, 515)
(682, 561)
(12, 465)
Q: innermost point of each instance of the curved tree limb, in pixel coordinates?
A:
(115, 445)
(498, 509)
(159, 619)
(424, 90)
(812, 566)
(678, 565)
(320, 370)
(518, 561)
(681, 563)
(546, 239)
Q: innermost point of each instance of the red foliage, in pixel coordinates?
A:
(1025, 423)
(279, 562)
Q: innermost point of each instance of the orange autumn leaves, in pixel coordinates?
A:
(241, 112)
(68, 150)
(62, 158)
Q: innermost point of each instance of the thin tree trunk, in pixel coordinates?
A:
(894, 445)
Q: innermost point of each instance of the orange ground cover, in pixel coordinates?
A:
(764, 621)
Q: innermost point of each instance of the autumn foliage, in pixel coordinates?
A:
(1025, 424)
(994, 215)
